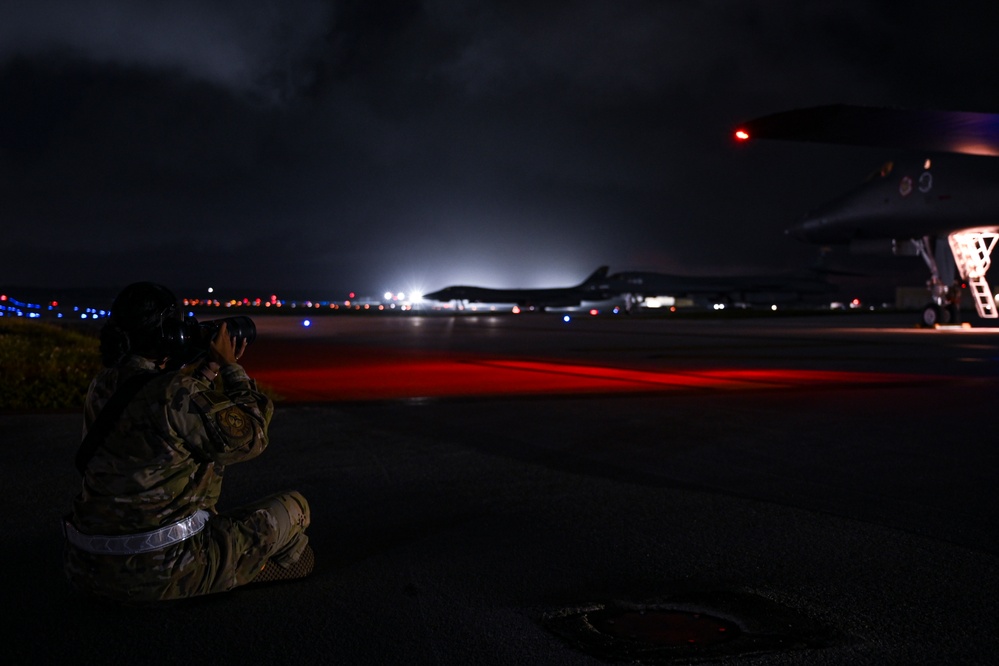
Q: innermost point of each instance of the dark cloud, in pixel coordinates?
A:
(251, 46)
(356, 145)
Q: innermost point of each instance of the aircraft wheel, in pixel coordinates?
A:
(931, 315)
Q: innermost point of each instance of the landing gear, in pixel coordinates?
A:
(971, 249)
(943, 315)
(954, 311)
(931, 315)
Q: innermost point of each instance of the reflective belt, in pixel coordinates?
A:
(144, 542)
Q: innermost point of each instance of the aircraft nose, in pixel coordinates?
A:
(806, 229)
(824, 224)
(795, 232)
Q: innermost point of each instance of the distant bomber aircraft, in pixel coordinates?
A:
(532, 299)
(791, 287)
(948, 200)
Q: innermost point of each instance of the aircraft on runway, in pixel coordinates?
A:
(782, 288)
(592, 288)
(942, 205)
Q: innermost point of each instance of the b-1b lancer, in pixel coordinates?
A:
(939, 205)
(780, 288)
(592, 288)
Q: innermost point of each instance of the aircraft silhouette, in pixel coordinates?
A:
(940, 205)
(530, 299)
(766, 289)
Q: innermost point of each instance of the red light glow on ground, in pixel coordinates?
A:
(367, 377)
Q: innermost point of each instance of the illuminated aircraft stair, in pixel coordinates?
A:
(973, 256)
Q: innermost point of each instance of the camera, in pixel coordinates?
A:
(189, 339)
(241, 328)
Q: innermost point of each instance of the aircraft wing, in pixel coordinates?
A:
(937, 131)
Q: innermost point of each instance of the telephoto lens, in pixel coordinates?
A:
(241, 328)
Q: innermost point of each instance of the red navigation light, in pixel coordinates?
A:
(741, 135)
(3, 297)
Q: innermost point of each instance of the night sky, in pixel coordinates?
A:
(334, 146)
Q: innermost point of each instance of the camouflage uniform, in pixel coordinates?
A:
(162, 462)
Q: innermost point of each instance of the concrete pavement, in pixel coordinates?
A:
(828, 521)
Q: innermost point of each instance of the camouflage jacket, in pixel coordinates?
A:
(163, 459)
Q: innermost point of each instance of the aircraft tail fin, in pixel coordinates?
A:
(596, 276)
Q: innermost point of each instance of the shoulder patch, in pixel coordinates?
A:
(235, 424)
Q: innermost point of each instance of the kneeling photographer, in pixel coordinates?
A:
(169, 411)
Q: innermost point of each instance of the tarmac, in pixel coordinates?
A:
(526, 490)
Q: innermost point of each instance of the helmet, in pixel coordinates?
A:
(144, 319)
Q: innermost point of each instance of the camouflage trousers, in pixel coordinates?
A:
(230, 551)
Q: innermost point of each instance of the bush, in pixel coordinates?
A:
(44, 366)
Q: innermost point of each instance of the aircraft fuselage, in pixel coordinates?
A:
(910, 199)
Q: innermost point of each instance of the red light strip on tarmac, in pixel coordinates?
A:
(413, 378)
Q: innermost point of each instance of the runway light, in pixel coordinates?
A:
(594, 312)
(566, 318)
(741, 135)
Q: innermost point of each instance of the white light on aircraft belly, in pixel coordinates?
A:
(658, 301)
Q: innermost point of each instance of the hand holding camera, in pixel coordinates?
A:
(223, 340)
(223, 349)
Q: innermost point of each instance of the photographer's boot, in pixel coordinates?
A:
(274, 571)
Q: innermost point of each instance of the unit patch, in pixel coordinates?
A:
(233, 422)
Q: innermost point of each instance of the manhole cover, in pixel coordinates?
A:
(687, 628)
(665, 627)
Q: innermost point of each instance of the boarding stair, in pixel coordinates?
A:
(972, 250)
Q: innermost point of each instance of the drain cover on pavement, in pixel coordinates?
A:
(688, 629)
(662, 626)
